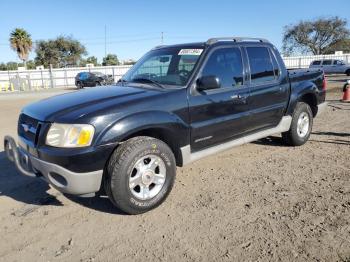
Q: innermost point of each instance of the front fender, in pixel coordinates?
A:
(140, 121)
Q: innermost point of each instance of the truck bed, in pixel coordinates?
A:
(296, 75)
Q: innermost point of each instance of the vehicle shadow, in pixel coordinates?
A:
(33, 191)
(270, 141)
(100, 203)
(21, 188)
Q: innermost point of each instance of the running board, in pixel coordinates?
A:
(188, 156)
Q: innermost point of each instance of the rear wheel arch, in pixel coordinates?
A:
(311, 100)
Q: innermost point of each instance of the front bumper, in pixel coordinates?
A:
(60, 178)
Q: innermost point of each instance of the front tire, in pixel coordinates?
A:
(140, 174)
(347, 72)
(301, 125)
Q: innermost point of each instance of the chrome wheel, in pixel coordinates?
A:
(147, 177)
(303, 124)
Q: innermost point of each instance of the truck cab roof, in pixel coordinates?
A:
(217, 41)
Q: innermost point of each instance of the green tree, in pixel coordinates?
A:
(12, 65)
(60, 52)
(31, 64)
(21, 43)
(129, 62)
(110, 59)
(92, 60)
(3, 67)
(318, 36)
(82, 62)
(340, 46)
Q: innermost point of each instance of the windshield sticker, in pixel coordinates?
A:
(190, 51)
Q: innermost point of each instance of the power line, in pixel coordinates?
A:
(104, 42)
(121, 41)
(96, 38)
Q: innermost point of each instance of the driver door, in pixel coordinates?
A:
(221, 114)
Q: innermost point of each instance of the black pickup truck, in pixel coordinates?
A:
(177, 104)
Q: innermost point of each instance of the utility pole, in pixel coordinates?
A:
(105, 40)
(162, 38)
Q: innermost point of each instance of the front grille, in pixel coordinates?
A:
(28, 128)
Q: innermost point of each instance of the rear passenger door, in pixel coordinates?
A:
(269, 89)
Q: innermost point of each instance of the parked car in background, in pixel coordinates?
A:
(331, 66)
(90, 79)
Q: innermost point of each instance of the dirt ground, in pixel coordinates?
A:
(258, 202)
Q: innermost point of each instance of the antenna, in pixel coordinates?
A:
(162, 38)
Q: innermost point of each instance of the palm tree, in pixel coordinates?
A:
(21, 42)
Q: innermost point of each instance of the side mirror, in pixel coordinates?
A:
(208, 82)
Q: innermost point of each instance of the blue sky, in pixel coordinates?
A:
(133, 27)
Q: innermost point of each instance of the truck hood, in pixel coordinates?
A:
(80, 103)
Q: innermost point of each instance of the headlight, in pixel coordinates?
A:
(70, 135)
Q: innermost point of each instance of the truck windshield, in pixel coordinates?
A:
(165, 66)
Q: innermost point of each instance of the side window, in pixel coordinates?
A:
(338, 62)
(226, 64)
(261, 67)
(327, 62)
(317, 62)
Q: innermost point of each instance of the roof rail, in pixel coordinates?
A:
(235, 39)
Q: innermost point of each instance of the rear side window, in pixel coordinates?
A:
(226, 64)
(317, 62)
(338, 62)
(261, 68)
(327, 62)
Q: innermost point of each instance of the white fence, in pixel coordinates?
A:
(64, 77)
(42, 79)
(304, 61)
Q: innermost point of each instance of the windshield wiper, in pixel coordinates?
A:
(147, 80)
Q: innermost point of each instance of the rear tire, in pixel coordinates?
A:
(347, 72)
(301, 125)
(140, 174)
